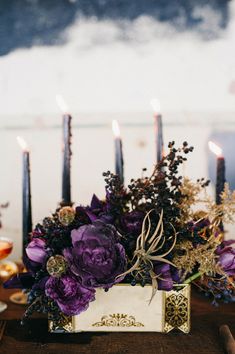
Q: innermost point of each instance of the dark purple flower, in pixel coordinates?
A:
(96, 203)
(36, 250)
(167, 276)
(227, 257)
(97, 257)
(71, 297)
(132, 222)
(20, 281)
(98, 210)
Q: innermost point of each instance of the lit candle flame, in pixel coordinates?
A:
(62, 104)
(116, 129)
(155, 103)
(215, 148)
(22, 143)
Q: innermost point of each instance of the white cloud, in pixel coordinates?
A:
(119, 66)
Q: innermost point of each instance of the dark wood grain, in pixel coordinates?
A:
(34, 338)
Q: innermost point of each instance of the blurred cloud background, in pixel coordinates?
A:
(109, 58)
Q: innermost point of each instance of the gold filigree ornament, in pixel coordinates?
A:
(147, 250)
(177, 309)
(118, 320)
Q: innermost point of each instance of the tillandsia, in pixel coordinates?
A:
(148, 252)
(160, 230)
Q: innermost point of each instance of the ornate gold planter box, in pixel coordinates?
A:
(126, 308)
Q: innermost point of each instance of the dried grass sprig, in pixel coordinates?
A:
(192, 195)
(195, 194)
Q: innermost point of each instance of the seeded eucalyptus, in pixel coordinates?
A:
(160, 191)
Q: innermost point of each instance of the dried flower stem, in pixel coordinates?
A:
(192, 278)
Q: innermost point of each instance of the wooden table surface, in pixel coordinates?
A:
(34, 338)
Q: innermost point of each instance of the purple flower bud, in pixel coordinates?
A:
(227, 257)
(36, 251)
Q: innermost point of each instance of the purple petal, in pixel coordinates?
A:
(96, 203)
(91, 216)
(227, 260)
(77, 235)
(164, 279)
(20, 281)
(36, 250)
(165, 284)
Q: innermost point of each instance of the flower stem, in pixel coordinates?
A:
(192, 278)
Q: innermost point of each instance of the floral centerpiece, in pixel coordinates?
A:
(159, 232)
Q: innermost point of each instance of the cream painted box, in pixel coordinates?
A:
(126, 308)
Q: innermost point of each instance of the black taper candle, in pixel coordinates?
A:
(159, 137)
(220, 178)
(119, 163)
(66, 178)
(26, 196)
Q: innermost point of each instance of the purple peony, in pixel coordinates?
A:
(97, 257)
(36, 251)
(227, 257)
(167, 276)
(71, 297)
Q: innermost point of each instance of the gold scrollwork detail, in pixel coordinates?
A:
(118, 320)
(177, 309)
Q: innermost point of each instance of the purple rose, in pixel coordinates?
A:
(71, 297)
(132, 222)
(97, 257)
(36, 251)
(227, 257)
(167, 276)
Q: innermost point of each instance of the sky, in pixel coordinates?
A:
(117, 65)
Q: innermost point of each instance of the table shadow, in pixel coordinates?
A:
(36, 330)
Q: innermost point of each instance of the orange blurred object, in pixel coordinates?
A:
(5, 247)
(7, 270)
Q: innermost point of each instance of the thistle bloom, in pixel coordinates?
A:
(97, 257)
